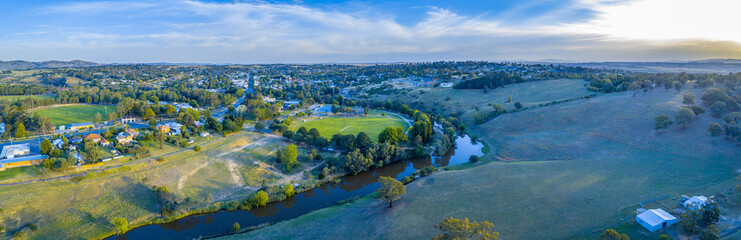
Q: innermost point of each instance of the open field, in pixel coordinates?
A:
(449, 100)
(82, 209)
(67, 114)
(569, 171)
(373, 124)
(13, 98)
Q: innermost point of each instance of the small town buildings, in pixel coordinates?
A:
(93, 137)
(133, 132)
(446, 85)
(58, 143)
(12, 151)
(124, 138)
(655, 219)
(695, 202)
(80, 126)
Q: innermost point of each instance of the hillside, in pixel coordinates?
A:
(571, 170)
(25, 65)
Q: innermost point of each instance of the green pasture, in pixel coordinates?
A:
(68, 114)
(373, 124)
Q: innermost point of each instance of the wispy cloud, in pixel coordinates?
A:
(189, 30)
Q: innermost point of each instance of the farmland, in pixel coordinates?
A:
(561, 175)
(373, 124)
(67, 114)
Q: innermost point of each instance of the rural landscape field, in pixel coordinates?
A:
(237, 119)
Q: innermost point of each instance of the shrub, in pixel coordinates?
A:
(160, 159)
(473, 159)
(197, 148)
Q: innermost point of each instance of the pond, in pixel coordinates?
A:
(317, 198)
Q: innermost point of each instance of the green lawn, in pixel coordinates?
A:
(572, 170)
(67, 114)
(373, 124)
(13, 98)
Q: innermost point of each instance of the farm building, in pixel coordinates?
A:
(655, 219)
(695, 202)
(80, 126)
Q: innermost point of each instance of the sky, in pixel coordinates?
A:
(355, 31)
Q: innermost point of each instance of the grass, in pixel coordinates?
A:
(82, 209)
(14, 98)
(373, 124)
(449, 100)
(68, 114)
(563, 175)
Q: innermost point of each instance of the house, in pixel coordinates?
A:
(72, 147)
(446, 84)
(133, 132)
(655, 219)
(12, 151)
(129, 120)
(289, 103)
(58, 143)
(80, 126)
(124, 138)
(76, 139)
(174, 127)
(205, 134)
(93, 137)
(163, 128)
(2, 128)
(198, 123)
(105, 143)
(695, 202)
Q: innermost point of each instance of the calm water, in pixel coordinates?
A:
(320, 197)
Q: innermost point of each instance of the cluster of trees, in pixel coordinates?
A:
(454, 228)
(288, 156)
(702, 221)
(20, 89)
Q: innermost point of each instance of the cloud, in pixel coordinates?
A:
(196, 31)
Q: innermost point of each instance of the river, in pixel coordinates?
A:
(320, 197)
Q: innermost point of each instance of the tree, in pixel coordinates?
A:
(121, 225)
(710, 233)
(197, 148)
(391, 189)
(160, 137)
(148, 114)
(290, 156)
(697, 109)
(611, 234)
(689, 99)
(45, 146)
(93, 152)
(288, 190)
(662, 122)
(392, 135)
(97, 118)
(260, 198)
(454, 228)
(259, 125)
(20, 130)
(664, 237)
(236, 227)
(518, 105)
(362, 141)
(715, 130)
(685, 116)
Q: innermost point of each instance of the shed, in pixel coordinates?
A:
(695, 202)
(655, 219)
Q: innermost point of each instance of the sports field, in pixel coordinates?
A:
(568, 171)
(67, 114)
(373, 124)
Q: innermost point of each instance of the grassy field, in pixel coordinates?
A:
(82, 209)
(373, 124)
(448, 100)
(13, 98)
(67, 114)
(563, 176)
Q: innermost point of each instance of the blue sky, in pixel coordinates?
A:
(193, 31)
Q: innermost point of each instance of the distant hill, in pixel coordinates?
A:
(699, 66)
(25, 65)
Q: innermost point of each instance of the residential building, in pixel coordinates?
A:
(695, 202)
(164, 128)
(124, 138)
(94, 137)
(58, 143)
(2, 128)
(76, 139)
(133, 132)
(655, 219)
(105, 143)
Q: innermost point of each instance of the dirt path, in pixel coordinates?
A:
(236, 178)
(185, 177)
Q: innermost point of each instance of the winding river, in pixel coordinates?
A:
(323, 196)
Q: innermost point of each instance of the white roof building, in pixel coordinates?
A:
(695, 202)
(12, 151)
(655, 219)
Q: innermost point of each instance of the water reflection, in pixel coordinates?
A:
(314, 199)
